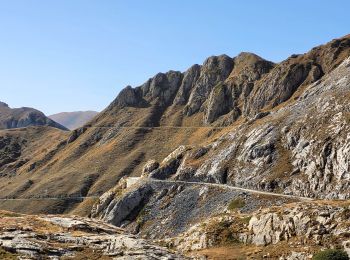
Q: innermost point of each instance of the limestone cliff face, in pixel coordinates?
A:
(301, 148)
(217, 87)
(304, 226)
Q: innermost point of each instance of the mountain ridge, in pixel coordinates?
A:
(24, 117)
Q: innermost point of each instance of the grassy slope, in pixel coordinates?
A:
(99, 157)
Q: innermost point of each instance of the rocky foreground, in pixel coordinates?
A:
(183, 221)
(199, 219)
(67, 237)
(294, 231)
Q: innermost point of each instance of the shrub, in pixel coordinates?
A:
(246, 220)
(7, 255)
(331, 254)
(236, 204)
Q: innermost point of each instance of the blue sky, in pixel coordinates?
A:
(68, 55)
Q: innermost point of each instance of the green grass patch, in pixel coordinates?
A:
(9, 214)
(236, 204)
(331, 254)
(246, 220)
(7, 255)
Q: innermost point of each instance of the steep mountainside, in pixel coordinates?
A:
(73, 120)
(241, 121)
(23, 117)
(301, 148)
(21, 145)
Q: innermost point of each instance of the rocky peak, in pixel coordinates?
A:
(224, 88)
(214, 70)
(164, 86)
(128, 97)
(250, 67)
(295, 72)
(160, 89)
(229, 97)
(189, 80)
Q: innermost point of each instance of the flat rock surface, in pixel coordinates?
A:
(60, 237)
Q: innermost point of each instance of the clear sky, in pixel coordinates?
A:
(68, 55)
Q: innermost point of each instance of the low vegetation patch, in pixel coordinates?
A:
(331, 254)
(7, 255)
(9, 214)
(223, 233)
(236, 204)
(246, 220)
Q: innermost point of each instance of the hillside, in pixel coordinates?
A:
(23, 117)
(73, 120)
(22, 145)
(241, 121)
(238, 157)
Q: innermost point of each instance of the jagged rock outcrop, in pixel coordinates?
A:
(231, 95)
(172, 207)
(188, 83)
(281, 151)
(319, 224)
(243, 85)
(297, 71)
(214, 70)
(149, 167)
(23, 117)
(170, 164)
(216, 88)
(306, 227)
(115, 206)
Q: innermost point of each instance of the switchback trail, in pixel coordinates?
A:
(50, 198)
(225, 186)
(134, 180)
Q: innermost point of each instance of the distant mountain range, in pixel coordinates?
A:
(23, 117)
(73, 120)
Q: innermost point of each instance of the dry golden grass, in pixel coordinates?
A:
(84, 208)
(240, 252)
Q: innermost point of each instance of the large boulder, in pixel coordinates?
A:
(170, 164)
(116, 206)
(149, 167)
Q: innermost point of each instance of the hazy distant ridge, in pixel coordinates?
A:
(73, 120)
